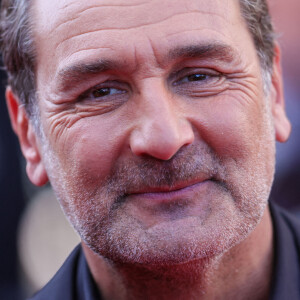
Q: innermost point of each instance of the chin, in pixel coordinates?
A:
(173, 242)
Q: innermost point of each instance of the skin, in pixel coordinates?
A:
(158, 140)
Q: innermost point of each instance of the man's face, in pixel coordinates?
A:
(158, 139)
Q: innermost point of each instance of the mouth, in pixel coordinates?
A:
(166, 194)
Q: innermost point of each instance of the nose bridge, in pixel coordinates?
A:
(162, 128)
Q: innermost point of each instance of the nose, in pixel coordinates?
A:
(162, 128)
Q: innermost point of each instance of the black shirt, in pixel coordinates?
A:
(74, 281)
(286, 275)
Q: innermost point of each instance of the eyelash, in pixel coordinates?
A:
(203, 76)
(105, 87)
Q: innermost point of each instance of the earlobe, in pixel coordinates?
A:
(281, 123)
(23, 128)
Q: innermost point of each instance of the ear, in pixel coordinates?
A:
(281, 122)
(28, 140)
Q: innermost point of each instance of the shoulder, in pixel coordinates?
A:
(285, 221)
(62, 285)
(286, 262)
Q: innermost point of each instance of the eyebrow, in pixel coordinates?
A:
(214, 50)
(73, 74)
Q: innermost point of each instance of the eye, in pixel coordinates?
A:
(199, 82)
(195, 77)
(203, 76)
(188, 75)
(105, 91)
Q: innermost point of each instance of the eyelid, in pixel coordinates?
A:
(107, 84)
(178, 76)
(215, 83)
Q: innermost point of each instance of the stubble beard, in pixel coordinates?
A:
(98, 215)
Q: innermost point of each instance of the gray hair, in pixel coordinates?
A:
(19, 55)
(18, 50)
(258, 19)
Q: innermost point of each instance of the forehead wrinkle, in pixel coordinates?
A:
(195, 29)
(80, 13)
(74, 3)
(119, 29)
(133, 27)
(153, 55)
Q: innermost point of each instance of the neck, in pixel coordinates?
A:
(243, 272)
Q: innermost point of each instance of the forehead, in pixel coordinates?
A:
(74, 30)
(125, 14)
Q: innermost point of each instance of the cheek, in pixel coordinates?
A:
(94, 153)
(90, 148)
(231, 128)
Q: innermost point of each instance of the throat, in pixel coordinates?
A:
(183, 281)
(203, 280)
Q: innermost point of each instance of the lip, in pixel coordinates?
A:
(169, 194)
